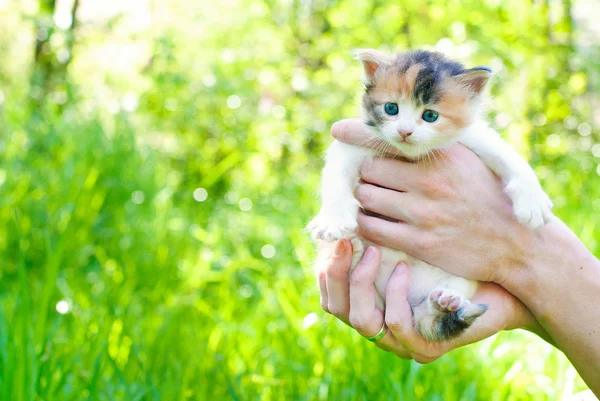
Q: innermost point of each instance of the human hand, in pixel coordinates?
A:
(350, 296)
(450, 201)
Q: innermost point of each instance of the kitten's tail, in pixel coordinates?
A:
(444, 326)
(452, 324)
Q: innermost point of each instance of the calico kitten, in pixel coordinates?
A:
(418, 102)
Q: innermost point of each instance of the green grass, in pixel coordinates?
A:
(171, 299)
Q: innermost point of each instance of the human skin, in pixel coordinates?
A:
(455, 202)
(351, 297)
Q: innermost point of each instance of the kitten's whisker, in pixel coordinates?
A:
(427, 155)
(433, 156)
(443, 156)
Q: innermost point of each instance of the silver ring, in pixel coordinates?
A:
(379, 335)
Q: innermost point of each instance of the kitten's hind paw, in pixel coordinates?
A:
(446, 300)
(531, 206)
(450, 314)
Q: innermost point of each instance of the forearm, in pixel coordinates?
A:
(561, 287)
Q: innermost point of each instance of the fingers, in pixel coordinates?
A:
(398, 314)
(323, 290)
(502, 313)
(399, 319)
(404, 237)
(354, 131)
(336, 280)
(365, 317)
(393, 204)
(392, 173)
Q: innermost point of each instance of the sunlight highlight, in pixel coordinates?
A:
(62, 307)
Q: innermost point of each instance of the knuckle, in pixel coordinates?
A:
(393, 323)
(403, 355)
(435, 185)
(322, 276)
(337, 311)
(417, 358)
(357, 321)
(370, 232)
(367, 168)
(429, 216)
(364, 194)
(356, 278)
(422, 359)
(424, 243)
(335, 273)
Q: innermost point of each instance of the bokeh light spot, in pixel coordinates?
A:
(63, 19)
(278, 111)
(570, 122)
(539, 119)
(268, 251)
(62, 307)
(130, 101)
(200, 194)
(209, 80)
(246, 291)
(245, 204)
(553, 141)
(266, 77)
(230, 197)
(584, 129)
(234, 102)
(299, 82)
(137, 197)
(309, 320)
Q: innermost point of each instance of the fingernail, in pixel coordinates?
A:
(339, 248)
(335, 129)
(369, 254)
(401, 268)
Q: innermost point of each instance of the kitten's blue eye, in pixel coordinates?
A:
(430, 116)
(391, 108)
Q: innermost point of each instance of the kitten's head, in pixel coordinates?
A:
(420, 101)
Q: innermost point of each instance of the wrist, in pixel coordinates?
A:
(555, 262)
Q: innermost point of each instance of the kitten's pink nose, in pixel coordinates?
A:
(404, 133)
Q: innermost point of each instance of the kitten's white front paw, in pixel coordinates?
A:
(531, 206)
(333, 226)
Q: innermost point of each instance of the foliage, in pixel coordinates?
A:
(153, 192)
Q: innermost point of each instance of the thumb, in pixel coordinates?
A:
(398, 314)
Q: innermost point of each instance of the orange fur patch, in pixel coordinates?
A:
(407, 83)
(390, 82)
(453, 106)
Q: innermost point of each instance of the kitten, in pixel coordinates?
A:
(418, 102)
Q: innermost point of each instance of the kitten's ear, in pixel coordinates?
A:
(475, 79)
(371, 60)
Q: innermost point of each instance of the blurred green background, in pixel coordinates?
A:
(158, 161)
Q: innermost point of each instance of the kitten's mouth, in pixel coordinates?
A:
(408, 148)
